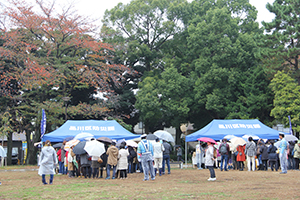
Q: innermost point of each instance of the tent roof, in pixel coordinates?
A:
(99, 128)
(219, 128)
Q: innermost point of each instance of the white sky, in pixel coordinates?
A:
(96, 8)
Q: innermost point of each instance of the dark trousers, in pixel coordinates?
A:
(86, 171)
(212, 171)
(123, 173)
(179, 158)
(95, 172)
(44, 179)
(264, 165)
(297, 160)
(241, 165)
(273, 164)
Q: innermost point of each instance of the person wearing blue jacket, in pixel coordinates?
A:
(145, 152)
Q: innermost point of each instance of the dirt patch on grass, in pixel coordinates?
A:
(180, 184)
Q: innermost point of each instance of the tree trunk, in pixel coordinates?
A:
(178, 134)
(31, 149)
(9, 148)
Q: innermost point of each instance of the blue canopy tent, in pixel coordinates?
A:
(99, 128)
(217, 129)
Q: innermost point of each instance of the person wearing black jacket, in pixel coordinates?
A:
(264, 156)
(166, 157)
(272, 156)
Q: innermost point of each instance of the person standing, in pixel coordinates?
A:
(112, 160)
(283, 154)
(158, 149)
(272, 156)
(179, 154)
(209, 161)
(264, 156)
(63, 155)
(123, 161)
(240, 157)
(250, 152)
(71, 166)
(224, 151)
(95, 166)
(166, 157)
(297, 155)
(47, 161)
(199, 155)
(145, 151)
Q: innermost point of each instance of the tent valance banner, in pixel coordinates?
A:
(99, 128)
(218, 129)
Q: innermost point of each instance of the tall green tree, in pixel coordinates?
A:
(286, 101)
(280, 45)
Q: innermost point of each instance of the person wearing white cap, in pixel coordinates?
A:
(145, 152)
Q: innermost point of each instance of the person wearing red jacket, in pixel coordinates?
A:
(60, 162)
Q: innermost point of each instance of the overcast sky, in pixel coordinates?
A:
(96, 8)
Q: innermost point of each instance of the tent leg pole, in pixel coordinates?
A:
(185, 153)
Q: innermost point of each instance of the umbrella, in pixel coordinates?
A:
(104, 139)
(119, 142)
(78, 149)
(2, 152)
(71, 143)
(131, 143)
(94, 148)
(237, 141)
(164, 135)
(254, 137)
(151, 137)
(290, 138)
(206, 139)
(229, 137)
(69, 138)
(84, 136)
(57, 145)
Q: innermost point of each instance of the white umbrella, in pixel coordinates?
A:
(131, 143)
(164, 135)
(84, 136)
(228, 137)
(2, 152)
(254, 137)
(237, 141)
(290, 138)
(94, 148)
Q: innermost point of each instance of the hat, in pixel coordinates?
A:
(143, 136)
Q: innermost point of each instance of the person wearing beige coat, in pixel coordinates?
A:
(71, 167)
(112, 159)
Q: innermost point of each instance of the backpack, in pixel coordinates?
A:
(223, 149)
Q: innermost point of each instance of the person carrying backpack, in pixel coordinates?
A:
(224, 151)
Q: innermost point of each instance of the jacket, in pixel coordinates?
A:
(71, 156)
(122, 159)
(84, 160)
(297, 151)
(250, 149)
(241, 153)
(47, 160)
(272, 155)
(158, 149)
(209, 155)
(112, 153)
(264, 152)
(168, 148)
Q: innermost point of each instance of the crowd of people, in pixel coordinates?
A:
(150, 158)
(258, 155)
(118, 161)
